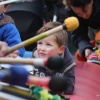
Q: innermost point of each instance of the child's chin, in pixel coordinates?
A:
(43, 56)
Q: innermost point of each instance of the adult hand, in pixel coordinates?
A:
(87, 52)
(79, 54)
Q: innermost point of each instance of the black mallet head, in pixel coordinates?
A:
(58, 83)
(55, 63)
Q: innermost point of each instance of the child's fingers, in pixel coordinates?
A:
(3, 49)
(13, 55)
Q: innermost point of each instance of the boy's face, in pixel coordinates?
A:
(97, 43)
(48, 47)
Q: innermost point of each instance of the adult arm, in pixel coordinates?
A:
(80, 39)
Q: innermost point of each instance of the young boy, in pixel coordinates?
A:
(51, 46)
(95, 56)
(8, 31)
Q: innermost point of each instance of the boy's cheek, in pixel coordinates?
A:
(38, 49)
(51, 53)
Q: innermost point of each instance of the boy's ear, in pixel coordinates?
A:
(6, 8)
(61, 49)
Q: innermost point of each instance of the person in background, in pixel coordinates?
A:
(8, 30)
(88, 14)
(51, 46)
(95, 56)
(54, 10)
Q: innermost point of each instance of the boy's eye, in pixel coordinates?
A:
(39, 42)
(49, 44)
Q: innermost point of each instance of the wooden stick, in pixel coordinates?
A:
(34, 39)
(70, 24)
(31, 61)
(8, 1)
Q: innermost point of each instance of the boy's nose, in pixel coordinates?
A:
(43, 47)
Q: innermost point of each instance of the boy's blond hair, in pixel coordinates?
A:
(61, 36)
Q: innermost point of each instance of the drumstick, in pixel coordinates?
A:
(53, 63)
(30, 61)
(19, 76)
(70, 24)
(8, 1)
(11, 1)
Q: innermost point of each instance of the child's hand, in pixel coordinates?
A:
(3, 48)
(13, 55)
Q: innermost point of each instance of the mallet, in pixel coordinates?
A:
(53, 63)
(70, 24)
(19, 76)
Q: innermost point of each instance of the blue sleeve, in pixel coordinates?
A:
(12, 37)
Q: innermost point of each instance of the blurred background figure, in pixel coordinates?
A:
(54, 10)
(8, 31)
(28, 17)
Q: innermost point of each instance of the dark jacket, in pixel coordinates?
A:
(9, 32)
(80, 37)
(70, 74)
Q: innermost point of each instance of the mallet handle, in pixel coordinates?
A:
(35, 39)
